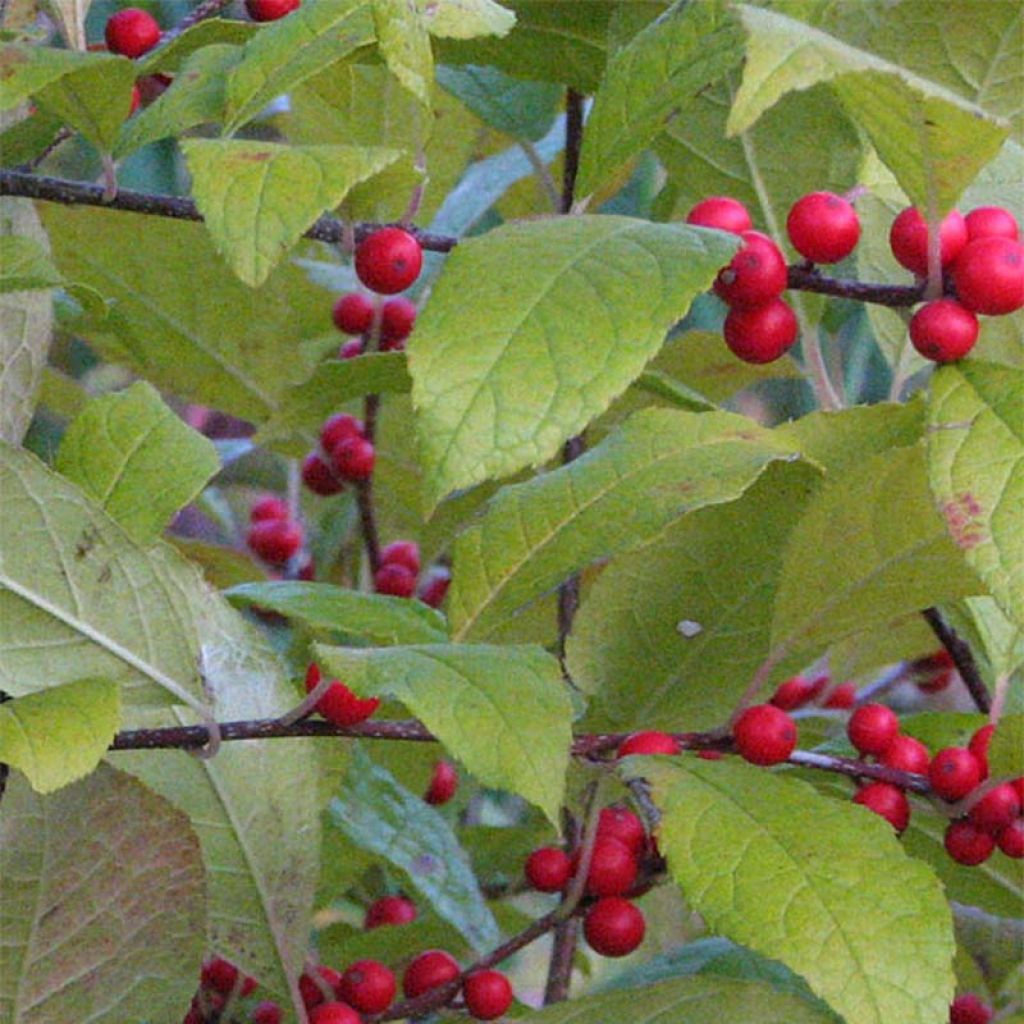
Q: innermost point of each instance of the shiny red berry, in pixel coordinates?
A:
(978, 745)
(887, 801)
(1011, 839)
(823, 227)
(756, 275)
(996, 809)
(427, 971)
(434, 588)
(792, 694)
(353, 458)
(394, 580)
(761, 334)
(622, 824)
(388, 260)
(398, 317)
(943, 330)
(267, 1012)
(334, 1013)
(270, 10)
(907, 754)
(368, 986)
(402, 552)
(614, 927)
(548, 869)
(953, 773)
(268, 507)
(612, 868)
(487, 994)
(764, 735)
(274, 540)
(872, 727)
(389, 910)
(132, 32)
(443, 784)
(318, 986)
(319, 477)
(337, 428)
(339, 705)
(721, 212)
(991, 222)
(649, 742)
(842, 697)
(220, 975)
(353, 313)
(969, 1009)
(908, 239)
(968, 845)
(989, 276)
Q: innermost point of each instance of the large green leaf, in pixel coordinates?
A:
(520, 109)
(1006, 751)
(997, 643)
(59, 735)
(653, 77)
(976, 465)
(136, 459)
(773, 865)
(209, 34)
(465, 19)
(405, 45)
(103, 901)
(501, 381)
(381, 816)
(25, 265)
(26, 70)
(660, 465)
(472, 700)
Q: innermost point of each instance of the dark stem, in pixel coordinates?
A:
(364, 489)
(563, 952)
(809, 279)
(5, 771)
(962, 657)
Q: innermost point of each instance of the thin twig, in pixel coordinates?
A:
(541, 172)
(960, 652)
(364, 488)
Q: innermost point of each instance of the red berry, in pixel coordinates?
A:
(978, 746)
(908, 239)
(136, 100)
(907, 754)
(764, 735)
(443, 784)
(434, 587)
(650, 742)
(274, 540)
(270, 10)
(872, 727)
(721, 212)
(267, 1013)
(842, 697)
(354, 458)
(389, 260)
(1018, 785)
(761, 334)
(989, 276)
(612, 868)
(398, 317)
(353, 313)
(320, 987)
(548, 869)
(132, 32)
(428, 971)
(622, 824)
(339, 704)
(268, 507)
(395, 580)
(334, 1013)
(991, 222)
(968, 845)
(402, 552)
(953, 773)
(823, 227)
(756, 275)
(996, 809)
(488, 994)
(943, 330)
(337, 428)
(887, 801)
(969, 1009)
(319, 477)
(614, 927)
(368, 986)
(220, 975)
(935, 671)
(793, 693)
(389, 910)
(1011, 839)
(351, 349)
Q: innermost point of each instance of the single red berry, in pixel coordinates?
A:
(398, 317)
(756, 275)
(996, 809)
(389, 910)
(339, 427)
(194, 1016)
(132, 32)
(1018, 785)
(488, 994)
(319, 477)
(427, 971)
(953, 773)
(268, 507)
(721, 212)
(220, 975)
(622, 824)
(267, 1013)
(823, 227)
(978, 746)
(934, 672)
(764, 735)
(969, 1009)
(354, 458)
(943, 330)
(842, 697)
(318, 987)
(334, 1013)
(353, 313)
(989, 276)
(614, 927)
(1011, 839)
(270, 10)
(887, 801)
(908, 239)
(402, 552)
(395, 580)
(792, 694)
(907, 754)
(548, 869)
(389, 260)
(339, 704)
(991, 222)
(872, 727)
(649, 742)
(443, 784)
(368, 986)
(612, 868)
(351, 349)
(968, 845)
(434, 587)
(761, 334)
(274, 540)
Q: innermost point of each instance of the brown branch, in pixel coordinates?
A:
(809, 279)
(963, 658)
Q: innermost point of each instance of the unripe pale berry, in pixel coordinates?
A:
(353, 458)
(389, 260)
(721, 212)
(1011, 839)
(887, 801)
(944, 330)
(334, 1013)
(989, 276)
(339, 705)
(908, 239)
(823, 227)
(268, 507)
(761, 334)
(649, 742)
(319, 477)
(872, 727)
(132, 32)
(353, 313)
(402, 552)
(907, 754)
(953, 773)
(274, 540)
(395, 580)
(991, 222)
(338, 428)
(612, 868)
(756, 275)
(622, 824)
(996, 809)
(398, 317)
(488, 994)
(548, 869)
(443, 784)
(318, 986)
(429, 970)
(270, 10)
(969, 1009)
(368, 986)
(968, 845)
(389, 910)
(614, 927)
(764, 735)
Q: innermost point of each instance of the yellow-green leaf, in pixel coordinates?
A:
(405, 45)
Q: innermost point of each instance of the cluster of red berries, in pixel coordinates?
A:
(800, 692)
(398, 575)
(345, 455)
(354, 314)
(275, 537)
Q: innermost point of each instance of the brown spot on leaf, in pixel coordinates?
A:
(255, 158)
(10, 60)
(962, 516)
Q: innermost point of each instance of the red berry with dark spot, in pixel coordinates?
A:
(756, 275)
(612, 868)
(334, 1013)
(823, 227)
(991, 222)
(953, 773)
(969, 1009)
(943, 330)
(887, 801)
(872, 727)
(389, 260)
(274, 540)
(389, 910)
(764, 735)
(842, 697)
(996, 809)
(220, 975)
(443, 784)
(978, 746)
(320, 986)
(721, 212)
(428, 971)
(761, 334)
(368, 986)
(394, 580)
(132, 32)
(337, 428)
(353, 313)
(908, 239)
(792, 694)
(907, 754)
(989, 276)
(488, 994)
(268, 507)
(434, 588)
(351, 349)
(968, 845)
(354, 458)
(649, 742)
(339, 704)
(1011, 839)
(267, 1013)
(402, 552)
(614, 927)
(270, 10)
(398, 317)
(319, 477)
(548, 869)
(622, 824)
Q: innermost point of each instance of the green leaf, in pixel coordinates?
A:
(652, 78)
(104, 906)
(660, 465)
(385, 620)
(25, 265)
(287, 52)
(1006, 752)
(381, 816)
(771, 864)
(976, 467)
(210, 33)
(997, 643)
(259, 197)
(61, 734)
(472, 700)
(500, 382)
(26, 70)
(136, 459)
(405, 45)
(523, 110)
(932, 140)
(28, 137)
(465, 19)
